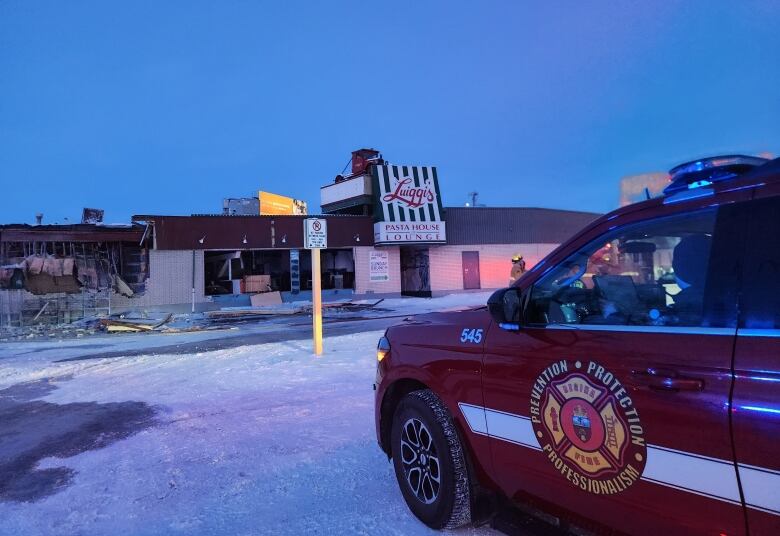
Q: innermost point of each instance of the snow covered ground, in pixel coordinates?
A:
(256, 439)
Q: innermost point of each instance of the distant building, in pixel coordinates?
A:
(635, 188)
(266, 204)
(241, 206)
(280, 205)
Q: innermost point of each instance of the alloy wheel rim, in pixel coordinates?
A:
(420, 461)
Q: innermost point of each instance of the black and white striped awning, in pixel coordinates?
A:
(407, 205)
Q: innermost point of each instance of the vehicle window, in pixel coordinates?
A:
(760, 308)
(650, 273)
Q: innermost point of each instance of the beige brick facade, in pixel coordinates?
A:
(446, 264)
(170, 280)
(362, 283)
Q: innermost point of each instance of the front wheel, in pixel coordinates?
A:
(429, 461)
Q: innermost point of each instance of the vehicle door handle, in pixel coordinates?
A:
(666, 380)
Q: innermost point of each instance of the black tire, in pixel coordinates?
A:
(442, 504)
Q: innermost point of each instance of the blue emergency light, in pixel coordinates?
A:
(707, 171)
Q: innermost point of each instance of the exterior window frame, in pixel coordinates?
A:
(613, 233)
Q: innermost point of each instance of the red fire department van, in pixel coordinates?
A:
(628, 383)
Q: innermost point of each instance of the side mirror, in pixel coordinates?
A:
(504, 306)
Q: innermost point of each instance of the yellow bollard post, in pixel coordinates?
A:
(316, 293)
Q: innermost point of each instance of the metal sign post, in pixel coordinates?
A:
(316, 298)
(315, 233)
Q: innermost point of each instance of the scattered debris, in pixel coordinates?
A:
(113, 325)
(39, 313)
(122, 287)
(350, 305)
(245, 314)
(191, 329)
(41, 331)
(168, 323)
(265, 298)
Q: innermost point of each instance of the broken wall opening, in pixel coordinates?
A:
(415, 272)
(47, 281)
(255, 271)
(338, 268)
(246, 272)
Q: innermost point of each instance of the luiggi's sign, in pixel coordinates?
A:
(407, 205)
(406, 194)
(401, 232)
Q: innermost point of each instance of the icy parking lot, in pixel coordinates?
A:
(253, 439)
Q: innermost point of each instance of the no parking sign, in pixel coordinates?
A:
(315, 233)
(315, 238)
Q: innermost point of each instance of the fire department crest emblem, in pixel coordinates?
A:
(587, 426)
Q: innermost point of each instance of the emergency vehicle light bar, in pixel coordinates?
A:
(707, 171)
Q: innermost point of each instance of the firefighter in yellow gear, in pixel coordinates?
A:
(518, 269)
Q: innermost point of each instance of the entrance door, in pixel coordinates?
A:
(471, 270)
(611, 402)
(415, 274)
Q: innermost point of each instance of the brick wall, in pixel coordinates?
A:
(170, 280)
(362, 283)
(446, 264)
(171, 272)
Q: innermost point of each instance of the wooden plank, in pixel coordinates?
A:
(266, 298)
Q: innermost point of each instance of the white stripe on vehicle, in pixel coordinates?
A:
(686, 471)
(713, 477)
(475, 417)
(504, 425)
(761, 488)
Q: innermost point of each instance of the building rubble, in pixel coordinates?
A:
(59, 274)
(157, 322)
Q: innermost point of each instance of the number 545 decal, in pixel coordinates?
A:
(471, 335)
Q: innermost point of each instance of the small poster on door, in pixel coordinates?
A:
(378, 266)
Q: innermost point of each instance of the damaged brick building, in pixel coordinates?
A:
(61, 273)
(388, 235)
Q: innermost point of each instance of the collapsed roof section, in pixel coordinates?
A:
(50, 259)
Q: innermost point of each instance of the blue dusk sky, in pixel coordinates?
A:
(166, 107)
